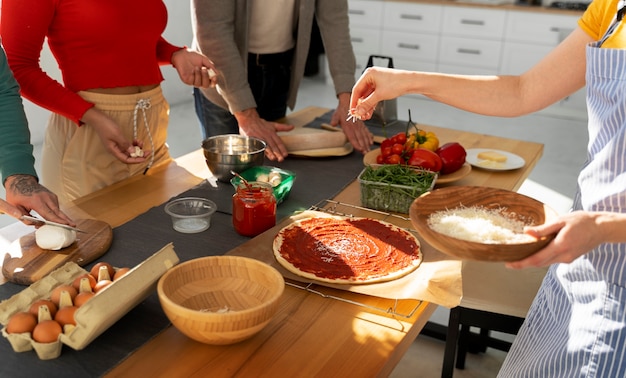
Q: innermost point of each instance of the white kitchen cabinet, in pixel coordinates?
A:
(471, 41)
(403, 45)
(531, 36)
(537, 28)
(470, 53)
(365, 31)
(473, 22)
(463, 39)
(412, 17)
(411, 35)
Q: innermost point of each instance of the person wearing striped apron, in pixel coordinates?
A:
(576, 326)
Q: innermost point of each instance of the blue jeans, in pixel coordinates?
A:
(269, 77)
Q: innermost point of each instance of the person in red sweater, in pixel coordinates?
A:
(109, 107)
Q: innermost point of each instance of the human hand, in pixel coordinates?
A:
(356, 131)
(577, 233)
(112, 137)
(194, 68)
(375, 85)
(25, 194)
(251, 124)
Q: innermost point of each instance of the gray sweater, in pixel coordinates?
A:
(221, 33)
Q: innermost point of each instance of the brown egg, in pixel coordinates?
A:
(95, 270)
(21, 322)
(55, 296)
(47, 331)
(65, 315)
(101, 285)
(76, 283)
(83, 297)
(119, 273)
(34, 307)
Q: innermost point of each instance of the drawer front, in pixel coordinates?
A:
(365, 40)
(421, 47)
(517, 58)
(365, 13)
(412, 17)
(543, 29)
(470, 52)
(474, 22)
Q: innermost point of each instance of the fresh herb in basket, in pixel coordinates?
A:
(393, 187)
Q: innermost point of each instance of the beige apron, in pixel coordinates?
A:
(76, 163)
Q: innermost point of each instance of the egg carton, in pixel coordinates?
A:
(97, 314)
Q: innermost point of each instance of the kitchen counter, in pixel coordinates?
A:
(338, 333)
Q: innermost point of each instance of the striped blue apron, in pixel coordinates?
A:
(576, 326)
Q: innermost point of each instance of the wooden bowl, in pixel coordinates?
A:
(518, 206)
(220, 300)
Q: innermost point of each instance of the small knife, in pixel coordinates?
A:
(39, 220)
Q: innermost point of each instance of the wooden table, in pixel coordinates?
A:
(311, 335)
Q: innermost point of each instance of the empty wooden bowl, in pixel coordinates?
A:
(220, 300)
(515, 205)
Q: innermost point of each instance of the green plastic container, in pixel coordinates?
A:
(281, 191)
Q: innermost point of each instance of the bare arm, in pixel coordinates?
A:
(557, 75)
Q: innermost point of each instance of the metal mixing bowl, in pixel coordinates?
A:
(234, 152)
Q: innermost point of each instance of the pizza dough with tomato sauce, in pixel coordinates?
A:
(347, 250)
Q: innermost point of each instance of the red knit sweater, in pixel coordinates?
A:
(97, 44)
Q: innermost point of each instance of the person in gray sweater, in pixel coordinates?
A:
(260, 49)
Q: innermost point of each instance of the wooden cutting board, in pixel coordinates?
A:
(26, 263)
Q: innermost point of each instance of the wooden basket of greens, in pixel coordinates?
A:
(393, 187)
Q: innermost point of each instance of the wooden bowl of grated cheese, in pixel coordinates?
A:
(480, 223)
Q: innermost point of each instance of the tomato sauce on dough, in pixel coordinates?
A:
(358, 249)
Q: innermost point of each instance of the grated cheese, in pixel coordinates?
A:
(481, 225)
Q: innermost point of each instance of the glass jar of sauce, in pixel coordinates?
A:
(254, 208)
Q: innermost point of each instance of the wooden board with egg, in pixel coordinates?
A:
(29, 259)
(92, 317)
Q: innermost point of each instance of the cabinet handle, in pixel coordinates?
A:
(357, 12)
(408, 46)
(473, 22)
(357, 40)
(468, 51)
(417, 17)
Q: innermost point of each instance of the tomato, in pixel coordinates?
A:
(393, 159)
(399, 138)
(426, 159)
(397, 149)
(452, 157)
(380, 159)
(385, 151)
(386, 143)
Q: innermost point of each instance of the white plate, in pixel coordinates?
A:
(512, 161)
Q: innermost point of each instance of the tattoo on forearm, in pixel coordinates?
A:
(26, 185)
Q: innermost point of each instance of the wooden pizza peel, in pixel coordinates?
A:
(25, 263)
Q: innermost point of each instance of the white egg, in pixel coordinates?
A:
(54, 238)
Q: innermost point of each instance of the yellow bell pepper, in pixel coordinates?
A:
(427, 140)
